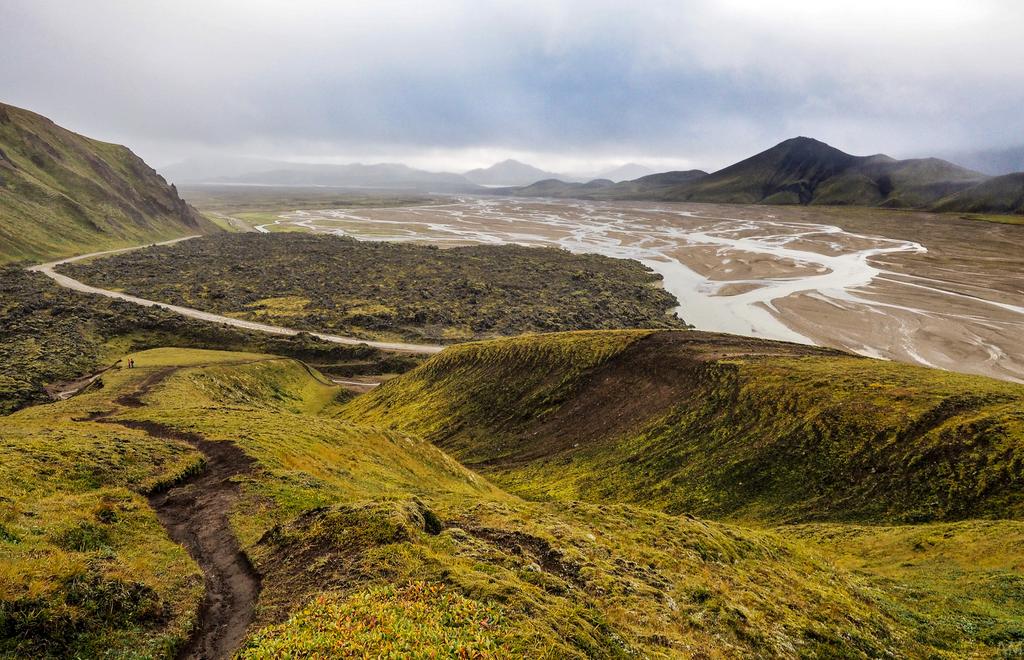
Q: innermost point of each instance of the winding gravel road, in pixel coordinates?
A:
(71, 283)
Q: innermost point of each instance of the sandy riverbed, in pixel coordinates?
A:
(934, 290)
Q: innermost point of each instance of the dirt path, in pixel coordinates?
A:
(71, 283)
(195, 513)
(63, 390)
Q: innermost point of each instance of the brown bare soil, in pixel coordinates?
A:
(195, 513)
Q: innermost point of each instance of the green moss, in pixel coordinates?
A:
(963, 579)
(420, 620)
(472, 389)
(758, 438)
(86, 536)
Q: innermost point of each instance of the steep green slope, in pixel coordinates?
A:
(358, 533)
(1001, 194)
(62, 193)
(654, 184)
(883, 181)
(718, 426)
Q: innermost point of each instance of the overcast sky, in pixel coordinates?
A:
(454, 84)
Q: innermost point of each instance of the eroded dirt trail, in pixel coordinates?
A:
(195, 513)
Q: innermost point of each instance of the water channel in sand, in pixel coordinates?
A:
(753, 271)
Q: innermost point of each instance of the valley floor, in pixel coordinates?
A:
(936, 290)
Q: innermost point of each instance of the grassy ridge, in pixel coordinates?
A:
(470, 390)
(389, 290)
(337, 510)
(1001, 194)
(63, 194)
(757, 430)
(686, 422)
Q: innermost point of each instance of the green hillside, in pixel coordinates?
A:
(1001, 194)
(718, 426)
(363, 536)
(62, 193)
(806, 171)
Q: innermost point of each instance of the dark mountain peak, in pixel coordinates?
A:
(801, 140)
(796, 157)
(796, 165)
(808, 148)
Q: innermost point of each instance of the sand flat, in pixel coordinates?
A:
(916, 287)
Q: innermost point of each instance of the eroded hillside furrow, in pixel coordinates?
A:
(195, 512)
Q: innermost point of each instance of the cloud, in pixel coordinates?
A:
(698, 82)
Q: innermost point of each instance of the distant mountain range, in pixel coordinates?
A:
(358, 175)
(514, 173)
(626, 172)
(797, 171)
(510, 173)
(62, 193)
(252, 171)
(805, 171)
(257, 171)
